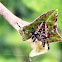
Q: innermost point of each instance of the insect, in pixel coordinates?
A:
(41, 33)
(43, 29)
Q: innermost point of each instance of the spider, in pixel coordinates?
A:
(41, 33)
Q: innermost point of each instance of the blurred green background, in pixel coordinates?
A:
(12, 48)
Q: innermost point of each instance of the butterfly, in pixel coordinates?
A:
(43, 29)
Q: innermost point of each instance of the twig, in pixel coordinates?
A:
(11, 18)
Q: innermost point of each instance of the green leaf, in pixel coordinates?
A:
(51, 19)
(55, 38)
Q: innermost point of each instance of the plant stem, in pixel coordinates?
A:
(11, 18)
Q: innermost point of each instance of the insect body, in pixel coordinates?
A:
(41, 33)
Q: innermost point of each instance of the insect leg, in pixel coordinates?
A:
(33, 38)
(36, 25)
(53, 29)
(48, 44)
(27, 32)
(44, 43)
